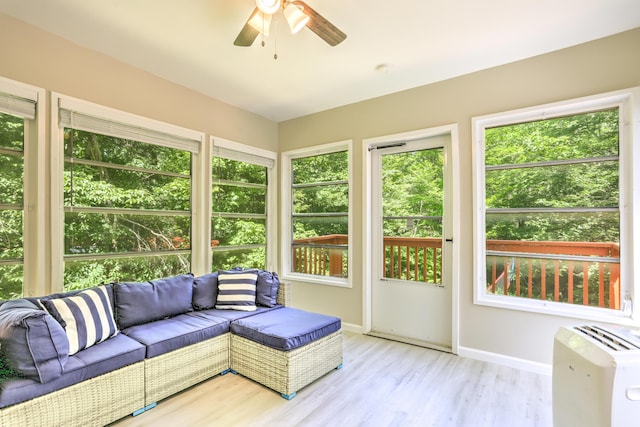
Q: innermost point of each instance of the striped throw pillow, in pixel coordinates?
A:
(87, 317)
(237, 290)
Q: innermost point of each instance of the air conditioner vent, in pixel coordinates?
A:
(611, 340)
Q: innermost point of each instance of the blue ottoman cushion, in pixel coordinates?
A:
(286, 328)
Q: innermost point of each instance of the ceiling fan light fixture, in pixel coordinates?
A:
(268, 7)
(295, 18)
(260, 22)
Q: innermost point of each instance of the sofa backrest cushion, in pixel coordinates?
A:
(138, 303)
(267, 288)
(32, 342)
(87, 317)
(205, 291)
(237, 290)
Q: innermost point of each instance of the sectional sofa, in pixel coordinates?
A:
(91, 357)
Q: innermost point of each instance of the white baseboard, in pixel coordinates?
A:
(352, 328)
(500, 359)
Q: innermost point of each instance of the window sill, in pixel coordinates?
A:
(317, 280)
(590, 314)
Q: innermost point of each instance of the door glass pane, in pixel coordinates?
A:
(412, 206)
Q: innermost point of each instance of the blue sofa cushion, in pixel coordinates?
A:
(34, 344)
(267, 288)
(138, 303)
(205, 291)
(87, 317)
(286, 328)
(237, 290)
(109, 355)
(163, 336)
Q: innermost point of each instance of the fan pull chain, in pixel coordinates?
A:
(275, 40)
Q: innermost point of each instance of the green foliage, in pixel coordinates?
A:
(412, 189)
(239, 217)
(6, 371)
(11, 195)
(114, 173)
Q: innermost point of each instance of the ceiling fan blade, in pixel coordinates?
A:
(319, 25)
(248, 34)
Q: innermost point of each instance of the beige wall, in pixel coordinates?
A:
(605, 65)
(32, 56)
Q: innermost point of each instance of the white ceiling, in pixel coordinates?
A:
(190, 42)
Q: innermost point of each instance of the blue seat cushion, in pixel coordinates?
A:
(111, 354)
(163, 336)
(286, 328)
(232, 315)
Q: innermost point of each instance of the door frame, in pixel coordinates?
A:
(452, 132)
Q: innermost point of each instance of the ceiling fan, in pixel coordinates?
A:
(298, 15)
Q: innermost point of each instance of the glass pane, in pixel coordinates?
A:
(321, 261)
(412, 205)
(11, 234)
(11, 279)
(232, 170)
(594, 284)
(105, 187)
(566, 186)
(322, 199)
(319, 228)
(548, 227)
(238, 231)
(232, 199)
(11, 132)
(321, 168)
(579, 136)
(412, 183)
(84, 274)
(247, 258)
(107, 149)
(100, 233)
(11, 179)
(413, 228)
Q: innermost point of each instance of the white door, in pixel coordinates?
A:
(411, 292)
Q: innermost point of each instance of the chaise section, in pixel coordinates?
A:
(286, 349)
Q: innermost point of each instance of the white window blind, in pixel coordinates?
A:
(22, 107)
(81, 121)
(240, 156)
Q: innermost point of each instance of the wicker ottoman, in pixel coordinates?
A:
(292, 366)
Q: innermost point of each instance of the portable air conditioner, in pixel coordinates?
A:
(596, 377)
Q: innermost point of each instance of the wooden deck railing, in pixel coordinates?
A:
(575, 281)
(511, 272)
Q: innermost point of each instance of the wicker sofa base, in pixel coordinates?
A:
(286, 371)
(83, 404)
(175, 371)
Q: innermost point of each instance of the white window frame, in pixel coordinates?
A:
(35, 276)
(628, 102)
(286, 211)
(59, 102)
(245, 153)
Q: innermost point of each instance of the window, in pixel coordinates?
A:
(18, 226)
(241, 199)
(318, 204)
(127, 200)
(554, 182)
(11, 205)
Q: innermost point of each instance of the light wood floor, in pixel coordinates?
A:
(383, 383)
